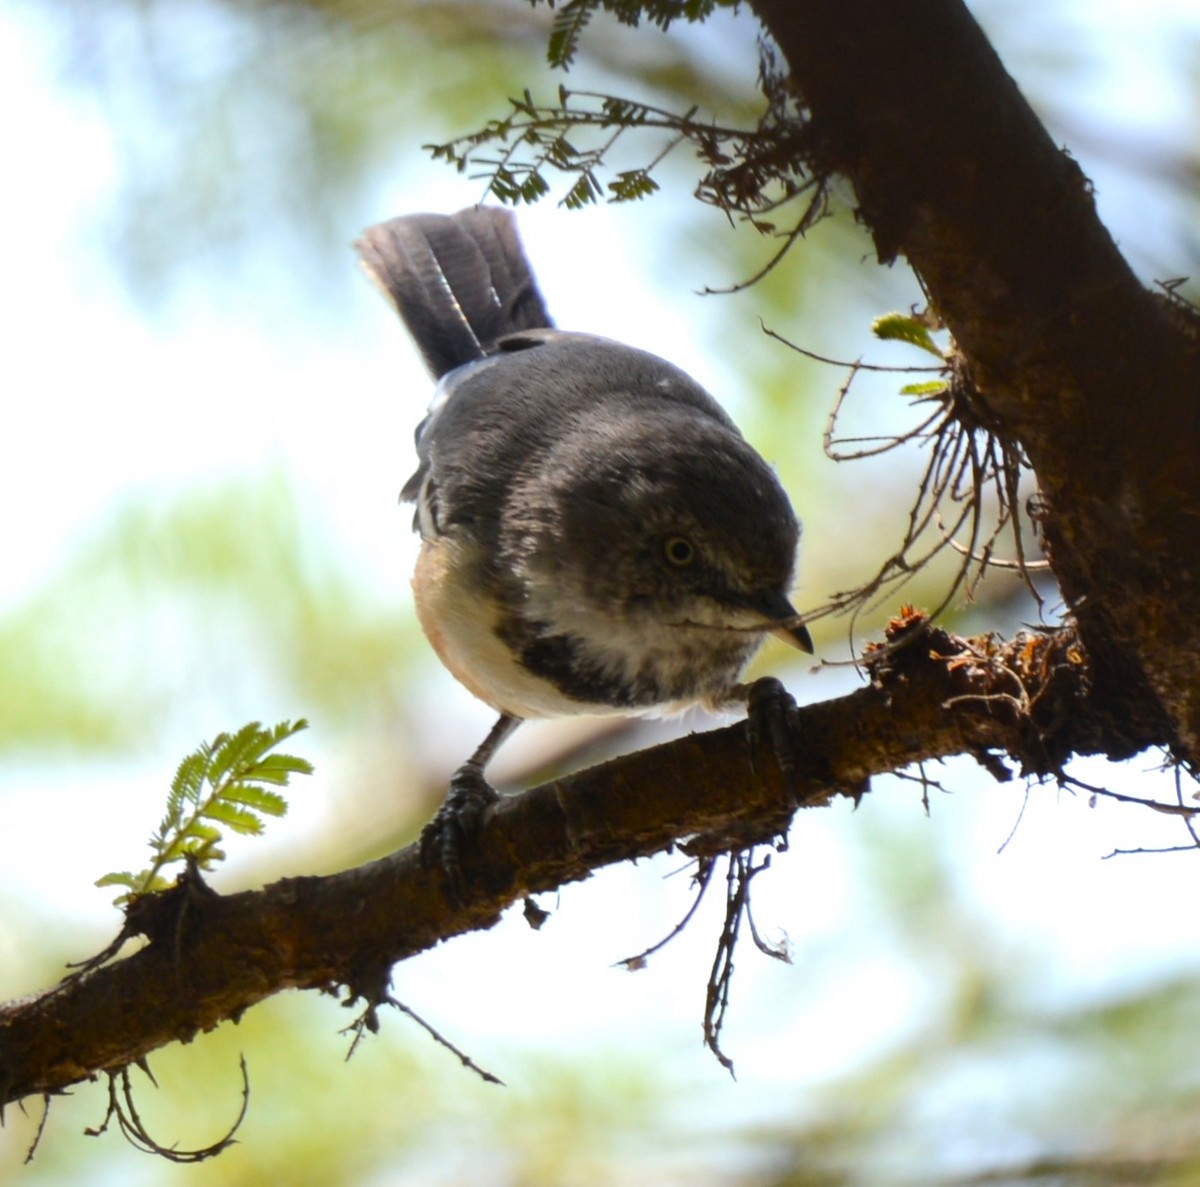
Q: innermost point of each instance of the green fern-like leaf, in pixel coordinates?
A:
(584, 192)
(277, 768)
(187, 786)
(561, 153)
(269, 803)
(239, 819)
(534, 186)
(225, 784)
(631, 185)
(241, 750)
(569, 24)
(905, 328)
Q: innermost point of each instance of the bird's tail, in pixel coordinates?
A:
(460, 281)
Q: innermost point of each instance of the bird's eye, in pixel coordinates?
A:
(679, 551)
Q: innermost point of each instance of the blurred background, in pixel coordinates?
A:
(209, 415)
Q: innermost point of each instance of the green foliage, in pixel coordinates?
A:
(913, 329)
(931, 387)
(905, 327)
(569, 23)
(541, 131)
(226, 782)
(748, 171)
(754, 167)
(631, 185)
(573, 17)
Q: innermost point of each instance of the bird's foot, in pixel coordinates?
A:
(455, 828)
(768, 725)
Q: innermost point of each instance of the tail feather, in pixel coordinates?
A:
(459, 281)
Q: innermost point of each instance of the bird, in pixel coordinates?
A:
(597, 536)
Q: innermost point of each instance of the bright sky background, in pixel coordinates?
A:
(91, 389)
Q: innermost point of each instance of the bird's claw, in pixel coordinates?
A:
(456, 826)
(768, 723)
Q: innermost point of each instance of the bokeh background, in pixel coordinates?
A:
(208, 416)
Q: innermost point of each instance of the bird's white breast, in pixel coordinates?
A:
(460, 621)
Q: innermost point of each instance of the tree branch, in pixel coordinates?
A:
(1095, 377)
(211, 957)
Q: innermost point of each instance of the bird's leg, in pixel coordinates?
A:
(458, 821)
(769, 706)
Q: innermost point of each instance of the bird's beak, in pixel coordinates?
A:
(774, 607)
(795, 636)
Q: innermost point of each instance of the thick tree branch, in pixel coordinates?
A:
(211, 957)
(1096, 378)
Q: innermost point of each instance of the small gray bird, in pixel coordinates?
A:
(596, 535)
